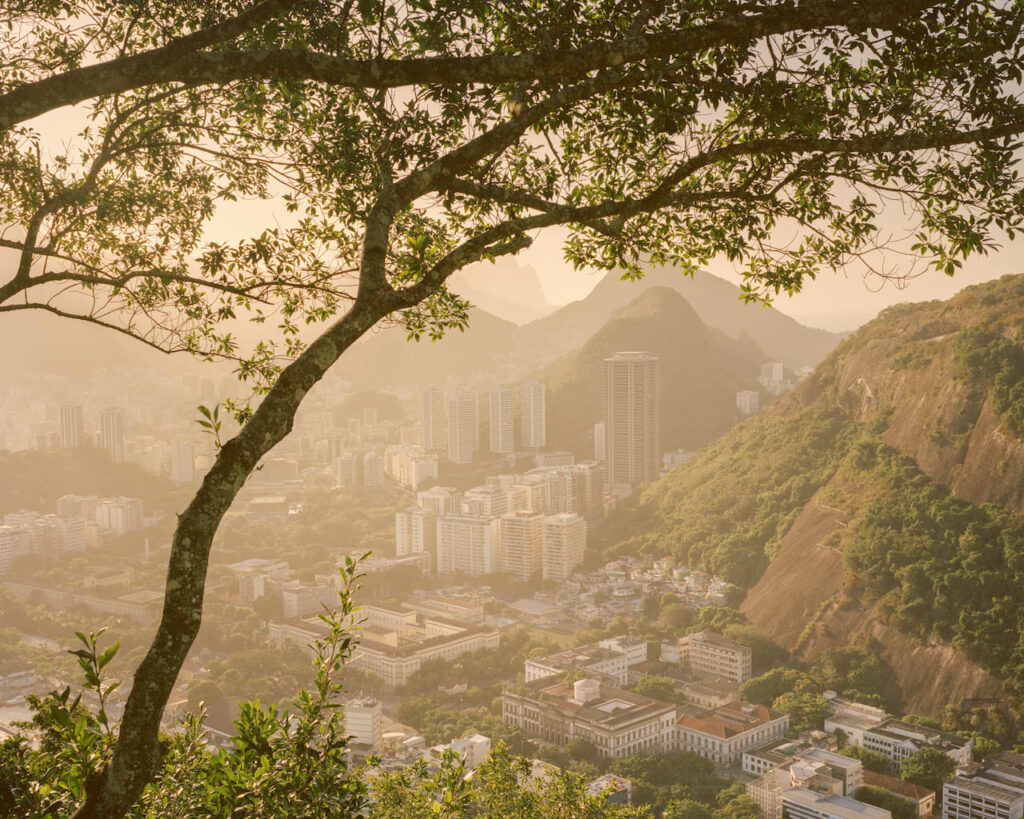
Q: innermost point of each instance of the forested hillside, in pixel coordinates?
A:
(880, 497)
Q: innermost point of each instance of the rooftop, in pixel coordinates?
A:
(729, 720)
(611, 708)
(901, 731)
(897, 786)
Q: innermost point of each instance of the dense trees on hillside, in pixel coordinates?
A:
(940, 566)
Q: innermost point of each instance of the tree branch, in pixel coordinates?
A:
(178, 62)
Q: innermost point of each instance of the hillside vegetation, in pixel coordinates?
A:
(880, 497)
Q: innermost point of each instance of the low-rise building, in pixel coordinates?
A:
(852, 718)
(802, 803)
(993, 789)
(618, 723)
(611, 658)
(899, 740)
(302, 599)
(722, 735)
(394, 642)
(472, 750)
(464, 611)
(617, 789)
(922, 798)
(710, 654)
(785, 764)
(364, 723)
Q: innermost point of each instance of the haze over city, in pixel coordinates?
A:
(392, 423)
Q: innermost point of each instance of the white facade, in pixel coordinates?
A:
(600, 450)
(748, 401)
(364, 723)
(441, 500)
(467, 544)
(724, 734)
(899, 740)
(852, 718)
(373, 470)
(565, 540)
(632, 419)
(801, 803)
(301, 599)
(487, 501)
(710, 654)
(532, 415)
(71, 426)
(521, 543)
(183, 464)
(618, 723)
(415, 531)
(432, 422)
(502, 417)
(994, 790)
(112, 433)
(463, 426)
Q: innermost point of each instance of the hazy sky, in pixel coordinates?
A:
(834, 301)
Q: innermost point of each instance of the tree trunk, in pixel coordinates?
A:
(136, 756)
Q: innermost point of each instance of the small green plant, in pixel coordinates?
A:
(211, 422)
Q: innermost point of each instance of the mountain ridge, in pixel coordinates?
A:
(882, 496)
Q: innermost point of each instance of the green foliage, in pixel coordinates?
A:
(929, 768)
(279, 759)
(912, 358)
(807, 712)
(659, 688)
(501, 786)
(771, 685)
(941, 567)
(719, 618)
(854, 670)
(705, 514)
(899, 807)
(982, 355)
(871, 760)
(581, 750)
(675, 618)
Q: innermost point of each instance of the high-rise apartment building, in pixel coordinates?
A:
(565, 539)
(432, 419)
(631, 417)
(373, 470)
(748, 401)
(112, 433)
(522, 543)
(183, 464)
(71, 432)
(467, 544)
(503, 411)
(532, 415)
(463, 425)
(441, 500)
(415, 531)
(600, 451)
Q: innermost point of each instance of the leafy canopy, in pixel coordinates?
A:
(415, 137)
